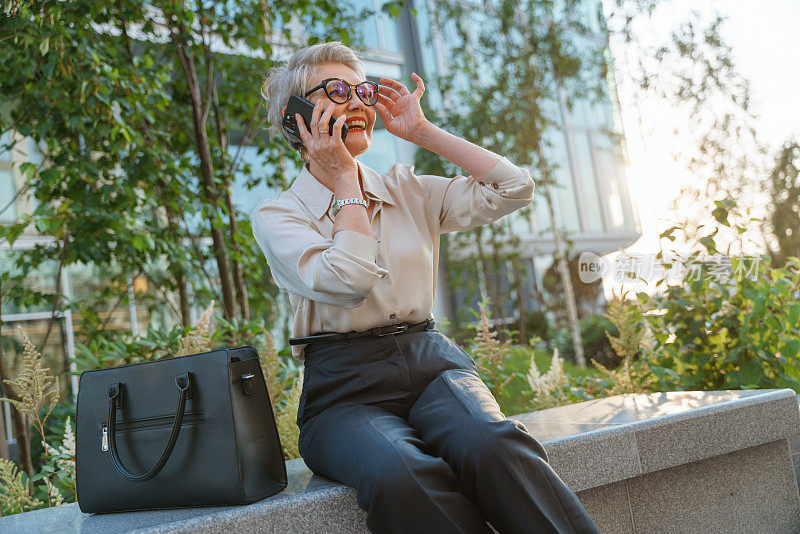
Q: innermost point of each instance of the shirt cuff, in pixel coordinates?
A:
(357, 244)
(505, 177)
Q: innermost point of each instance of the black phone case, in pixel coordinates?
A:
(305, 109)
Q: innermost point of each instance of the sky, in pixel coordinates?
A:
(765, 44)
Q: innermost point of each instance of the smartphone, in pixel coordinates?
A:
(305, 109)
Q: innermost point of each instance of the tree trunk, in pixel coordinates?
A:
(180, 277)
(200, 118)
(561, 259)
(3, 442)
(220, 121)
(241, 287)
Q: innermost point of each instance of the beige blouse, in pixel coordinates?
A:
(354, 282)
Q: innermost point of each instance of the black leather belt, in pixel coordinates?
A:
(392, 329)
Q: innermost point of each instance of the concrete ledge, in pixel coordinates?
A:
(662, 462)
(606, 440)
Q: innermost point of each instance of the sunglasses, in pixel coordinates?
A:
(339, 91)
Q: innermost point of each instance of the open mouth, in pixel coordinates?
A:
(356, 124)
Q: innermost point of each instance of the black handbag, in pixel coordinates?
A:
(193, 430)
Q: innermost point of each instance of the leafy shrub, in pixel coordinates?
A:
(595, 342)
(54, 429)
(36, 395)
(632, 346)
(739, 335)
(538, 325)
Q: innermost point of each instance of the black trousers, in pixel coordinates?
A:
(406, 420)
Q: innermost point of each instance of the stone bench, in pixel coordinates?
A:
(662, 462)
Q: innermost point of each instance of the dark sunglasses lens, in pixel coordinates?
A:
(338, 91)
(368, 92)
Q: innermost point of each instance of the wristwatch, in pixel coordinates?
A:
(343, 202)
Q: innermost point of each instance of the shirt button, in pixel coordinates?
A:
(393, 316)
(494, 185)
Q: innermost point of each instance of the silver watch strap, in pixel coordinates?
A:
(343, 202)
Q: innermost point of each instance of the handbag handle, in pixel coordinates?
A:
(112, 392)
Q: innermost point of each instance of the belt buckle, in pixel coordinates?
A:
(394, 329)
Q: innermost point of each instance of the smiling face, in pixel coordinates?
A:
(358, 140)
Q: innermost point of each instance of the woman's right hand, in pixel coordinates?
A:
(329, 153)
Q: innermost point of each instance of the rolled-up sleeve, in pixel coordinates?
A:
(464, 202)
(341, 271)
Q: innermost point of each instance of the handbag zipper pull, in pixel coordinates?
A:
(105, 438)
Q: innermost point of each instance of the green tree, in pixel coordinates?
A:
(783, 188)
(136, 116)
(502, 90)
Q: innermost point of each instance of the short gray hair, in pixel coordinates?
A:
(294, 77)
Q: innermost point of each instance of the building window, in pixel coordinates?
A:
(528, 272)
(5, 140)
(368, 29)
(610, 169)
(390, 36)
(498, 287)
(472, 285)
(564, 195)
(7, 192)
(249, 189)
(467, 292)
(593, 218)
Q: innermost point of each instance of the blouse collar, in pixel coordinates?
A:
(319, 198)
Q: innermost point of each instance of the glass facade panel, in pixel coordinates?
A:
(5, 139)
(391, 35)
(425, 39)
(368, 29)
(34, 154)
(42, 280)
(592, 114)
(429, 65)
(574, 113)
(88, 279)
(588, 184)
(520, 222)
(529, 284)
(541, 217)
(246, 199)
(610, 167)
(466, 290)
(498, 286)
(7, 191)
(564, 195)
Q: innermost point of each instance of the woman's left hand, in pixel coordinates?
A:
(400, 109)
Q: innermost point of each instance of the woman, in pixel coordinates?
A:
(390, 405)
